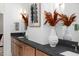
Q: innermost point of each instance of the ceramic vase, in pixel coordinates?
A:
(63, 31)
(67, 35)
(53, 39)
(26, 33)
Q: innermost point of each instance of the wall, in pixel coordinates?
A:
(16, 17)
(40, 34)
(37, 34)
(1, 17)
(1, 23)
(70, 9)
(11, 13)
(2, 10)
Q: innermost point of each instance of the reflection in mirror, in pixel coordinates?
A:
(1, 34)
(73, 28)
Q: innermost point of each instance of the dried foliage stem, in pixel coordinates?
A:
(67, 20)
(51, 19)
(25, 19)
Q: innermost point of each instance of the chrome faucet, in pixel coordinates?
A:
(75, 47)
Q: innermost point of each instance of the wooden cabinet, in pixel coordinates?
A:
(20, 49)
(39, 53)
(15, 47)
(16, 50)
(28, 51)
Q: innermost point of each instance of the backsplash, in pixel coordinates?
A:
(67, 43)
(18, 34)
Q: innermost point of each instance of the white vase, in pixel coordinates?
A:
(67, 35)
(53, 39)
(63, 31)
(26, 33)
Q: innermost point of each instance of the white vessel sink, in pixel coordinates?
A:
(69, 53)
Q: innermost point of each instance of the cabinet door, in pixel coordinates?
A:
(21, 49)
(39, 53)
(28, 51)
(16, 50)
(15, 47)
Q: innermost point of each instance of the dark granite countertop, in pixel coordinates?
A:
(51, 51)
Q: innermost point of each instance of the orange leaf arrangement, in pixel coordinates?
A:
(51, 19)
(67, 20)
(25, 19)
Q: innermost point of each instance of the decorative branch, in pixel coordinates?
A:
(67, 20)
(52, 20)
(25, 19)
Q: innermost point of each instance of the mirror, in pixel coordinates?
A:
(73, 33)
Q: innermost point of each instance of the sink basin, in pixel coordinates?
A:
(69, 53)
(21, 37)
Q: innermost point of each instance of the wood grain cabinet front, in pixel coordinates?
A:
(28, 51)
(18, 48)
(40, 53)
(15, 47)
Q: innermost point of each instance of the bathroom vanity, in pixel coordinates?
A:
(21, 46)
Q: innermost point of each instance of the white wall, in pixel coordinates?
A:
(40, 34)
(15, 10)
(1, 17)
(37, 34)
(11, 13)
(70, 9)
(6, 17)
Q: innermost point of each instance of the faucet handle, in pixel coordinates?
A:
(75, 47)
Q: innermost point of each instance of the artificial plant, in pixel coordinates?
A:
(51, 19)
(67, 20)
(25, 19)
